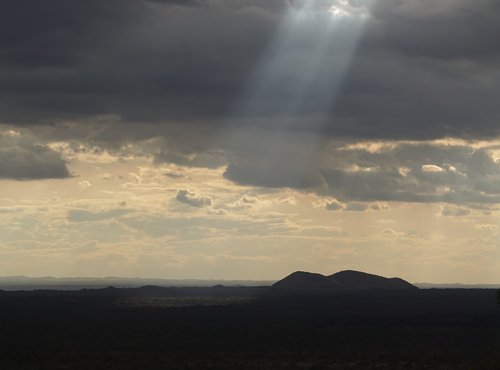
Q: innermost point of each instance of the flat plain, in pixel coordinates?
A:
(249, 328)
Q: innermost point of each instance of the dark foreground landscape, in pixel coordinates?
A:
(249, 328)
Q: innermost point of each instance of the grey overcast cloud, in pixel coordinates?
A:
(245, 139)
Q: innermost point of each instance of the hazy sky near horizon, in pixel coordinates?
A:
(246, 139)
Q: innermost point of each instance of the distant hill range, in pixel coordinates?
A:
(76, 283)
(456, 286)
(343, 280)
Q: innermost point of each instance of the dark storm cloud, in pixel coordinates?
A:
(273, 159)
(401, 172)
(136, 59)
(423, 69)
(441, 29)
(22, 159)
(179, 73)
(271, 173)
(414, 173)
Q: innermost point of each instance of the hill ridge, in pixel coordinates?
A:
(342, 280)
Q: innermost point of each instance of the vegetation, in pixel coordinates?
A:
(93, 329)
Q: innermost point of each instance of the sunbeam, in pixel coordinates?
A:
(294, 88)
(244, 140)
(304, 66)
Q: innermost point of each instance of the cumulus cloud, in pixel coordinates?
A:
(431, 168)
(486, 227)
(85, 184)
(173, 175)
(135, 178)
(454, 211)
(244, 202)
(21, 158)
(390, 233)
(218, 212)
(333, 205)
(193, 199)
(292, 201)
(379, 206)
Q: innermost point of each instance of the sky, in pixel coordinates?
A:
(247, 139)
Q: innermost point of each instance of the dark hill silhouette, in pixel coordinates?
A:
(350, 279)
(343, 280)
(301, 280)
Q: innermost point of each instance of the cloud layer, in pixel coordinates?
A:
(422, 70)
(23, 159)
(181, 82)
